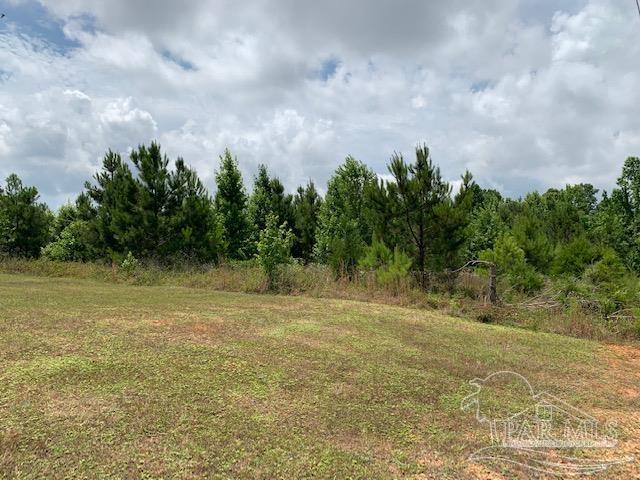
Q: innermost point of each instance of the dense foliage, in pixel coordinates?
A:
(411, 226)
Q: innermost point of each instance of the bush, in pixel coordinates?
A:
(376, 256)
(274, 249)
(130, 264)
(574, 257)
(396, 272)
(609, 269)
(73, 244)
(391, 268)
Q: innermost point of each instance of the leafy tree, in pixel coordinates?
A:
(375, 256)
(259, 206)
(65, 215)
(274, 249)
(483, 228)
(84, 208)
(625, 204)
(306, 210)
(608, 226)
(24, 222)
(396, 271)
(418, 191)
(566, 212)
(391, 267)
(231, 204)
(73, 244)
(343, 229)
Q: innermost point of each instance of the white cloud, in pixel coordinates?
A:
(526, 94)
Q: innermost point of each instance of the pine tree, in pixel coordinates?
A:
(268, 197)
(306, 206)
(24, 222)
(117, 220)
(259, 205)
(231, 205)
(193, 228)
(418, 191)
(153, 197)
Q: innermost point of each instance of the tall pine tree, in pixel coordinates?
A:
(24, 222)
(117, 218)
(306, 206)
(153, 197)
(419, 191)
(231, 205)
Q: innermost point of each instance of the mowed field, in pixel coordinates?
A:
(111, 381)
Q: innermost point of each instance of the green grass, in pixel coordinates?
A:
(102, 380)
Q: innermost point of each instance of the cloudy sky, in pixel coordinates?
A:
(527, 94)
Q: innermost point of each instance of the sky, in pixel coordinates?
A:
(526, 94)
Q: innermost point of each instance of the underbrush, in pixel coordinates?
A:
(571, 307)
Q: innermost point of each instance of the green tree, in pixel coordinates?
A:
(153, 197)
(452, 220)
(573, 257)
(484, 227)
(73, 244)
(117, 220)
(24, 222)
(231, 205)
(511, 262)
(418, 191)
(626, 204)
(268, 197)
(65, 215)
(567, 212)
(343, 229)
(306, 210)
(391, 267)
(529, 232)
(274, 249)
(194, 229)
(382, 215)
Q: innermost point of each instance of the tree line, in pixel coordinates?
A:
(411, 224)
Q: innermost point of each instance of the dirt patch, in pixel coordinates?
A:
(79, 407)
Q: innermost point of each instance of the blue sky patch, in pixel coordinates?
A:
(328, 68)
(33, 20)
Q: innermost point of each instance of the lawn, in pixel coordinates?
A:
(100, 380)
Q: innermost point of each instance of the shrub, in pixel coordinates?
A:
(130, 264)
(274, 249)
(609, 269)
(395, 272)
(574, 257)
(72, 245)
(376, 256)
(390, 268)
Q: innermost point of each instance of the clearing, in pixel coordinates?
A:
(114, 381)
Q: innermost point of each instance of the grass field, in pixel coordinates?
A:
(102, 380)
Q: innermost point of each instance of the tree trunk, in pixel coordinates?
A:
(493, 287)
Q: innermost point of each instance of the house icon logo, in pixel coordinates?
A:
(538, 434)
